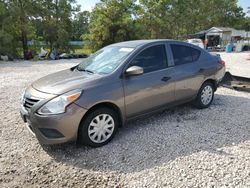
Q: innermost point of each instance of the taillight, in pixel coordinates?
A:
(222, 62)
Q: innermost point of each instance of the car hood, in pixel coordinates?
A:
(63, 81)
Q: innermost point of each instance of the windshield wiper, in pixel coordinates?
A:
(85, 70)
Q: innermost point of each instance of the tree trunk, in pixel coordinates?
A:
(25, 45)
(24, 37)
(50, 46)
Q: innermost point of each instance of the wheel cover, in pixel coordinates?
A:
(101, 128)
(206, 95)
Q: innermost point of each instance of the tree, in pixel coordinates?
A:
(246, 24)
(6, 39)
(178, 18)
(111, 21)
(57, 22)
(20, 13)
(80, 25)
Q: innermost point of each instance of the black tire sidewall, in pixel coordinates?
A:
(199, 103)
(83, 130)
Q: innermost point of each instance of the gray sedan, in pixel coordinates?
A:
(89, 102)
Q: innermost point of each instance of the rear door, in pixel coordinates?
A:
(188, 72)
(154, 88)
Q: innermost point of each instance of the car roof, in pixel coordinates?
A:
(137, 43)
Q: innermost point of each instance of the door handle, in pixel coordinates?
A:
(165, 79)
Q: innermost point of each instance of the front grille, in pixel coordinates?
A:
(28, 103)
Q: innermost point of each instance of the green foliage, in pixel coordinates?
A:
(80, 25)
(116, 20)
(57, 25)
(20, 14)
(32, 20)
(58, 21)
(111, 21)
(178, 18)
(7, 42)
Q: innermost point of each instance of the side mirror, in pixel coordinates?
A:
(134, 71)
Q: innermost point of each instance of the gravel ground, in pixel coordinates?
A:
(181, 147)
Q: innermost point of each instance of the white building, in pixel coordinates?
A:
(220, 36)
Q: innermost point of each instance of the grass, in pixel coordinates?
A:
(83, 51)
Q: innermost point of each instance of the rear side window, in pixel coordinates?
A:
(184, 54)
(151, 59)
(195, 54)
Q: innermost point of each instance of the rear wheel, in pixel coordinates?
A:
(205, 95)
(99, 127)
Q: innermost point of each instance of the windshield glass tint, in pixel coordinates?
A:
(105, 60)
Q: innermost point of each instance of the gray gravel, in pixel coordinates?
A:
(181, 147)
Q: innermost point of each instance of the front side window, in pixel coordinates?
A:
(105, 60)
(151, 59)
(184, 54)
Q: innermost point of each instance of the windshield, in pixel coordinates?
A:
(105, 60)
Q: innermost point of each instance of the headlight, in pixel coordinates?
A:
(58, 105)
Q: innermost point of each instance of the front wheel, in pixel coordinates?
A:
(205, 95)
(99, 127)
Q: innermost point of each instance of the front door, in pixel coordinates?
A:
(154, 88)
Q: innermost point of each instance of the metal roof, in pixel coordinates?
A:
(221, 29)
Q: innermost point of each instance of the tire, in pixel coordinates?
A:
(205, 96)
(98, 127)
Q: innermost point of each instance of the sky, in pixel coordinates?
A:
(89, 4)
(244, 4)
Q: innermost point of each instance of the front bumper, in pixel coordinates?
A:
(54, 129)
